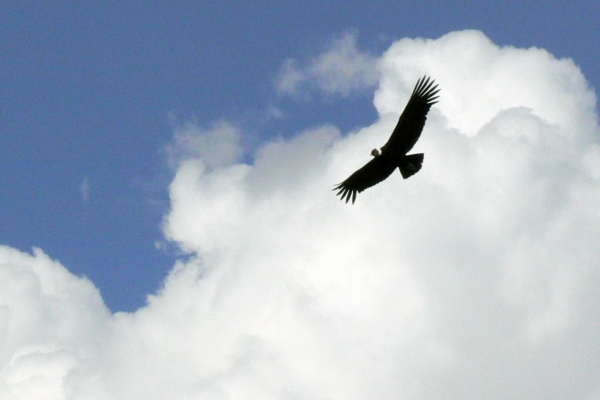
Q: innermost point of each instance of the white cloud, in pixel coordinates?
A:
(52, 325)
(341, 69)
(476, 278)
(218, 146)
(480, 79)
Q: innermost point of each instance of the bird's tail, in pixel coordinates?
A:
(410, 165)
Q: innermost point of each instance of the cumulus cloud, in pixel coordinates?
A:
(52, 324)
(476, 278)
(340, 70)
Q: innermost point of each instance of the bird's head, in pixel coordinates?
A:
(375, 153)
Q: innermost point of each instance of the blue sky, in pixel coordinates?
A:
(91, 91)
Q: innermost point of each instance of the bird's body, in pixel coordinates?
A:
(394, 153)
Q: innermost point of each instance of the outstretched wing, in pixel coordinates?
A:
(411, 122)
(373, 172)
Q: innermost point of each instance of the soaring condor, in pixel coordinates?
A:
(393, 154)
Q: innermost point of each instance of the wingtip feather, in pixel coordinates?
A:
(427, 89)
(345, 193)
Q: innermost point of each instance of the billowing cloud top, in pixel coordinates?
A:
(476, 278)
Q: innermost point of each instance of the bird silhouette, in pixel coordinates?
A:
(393, 154)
